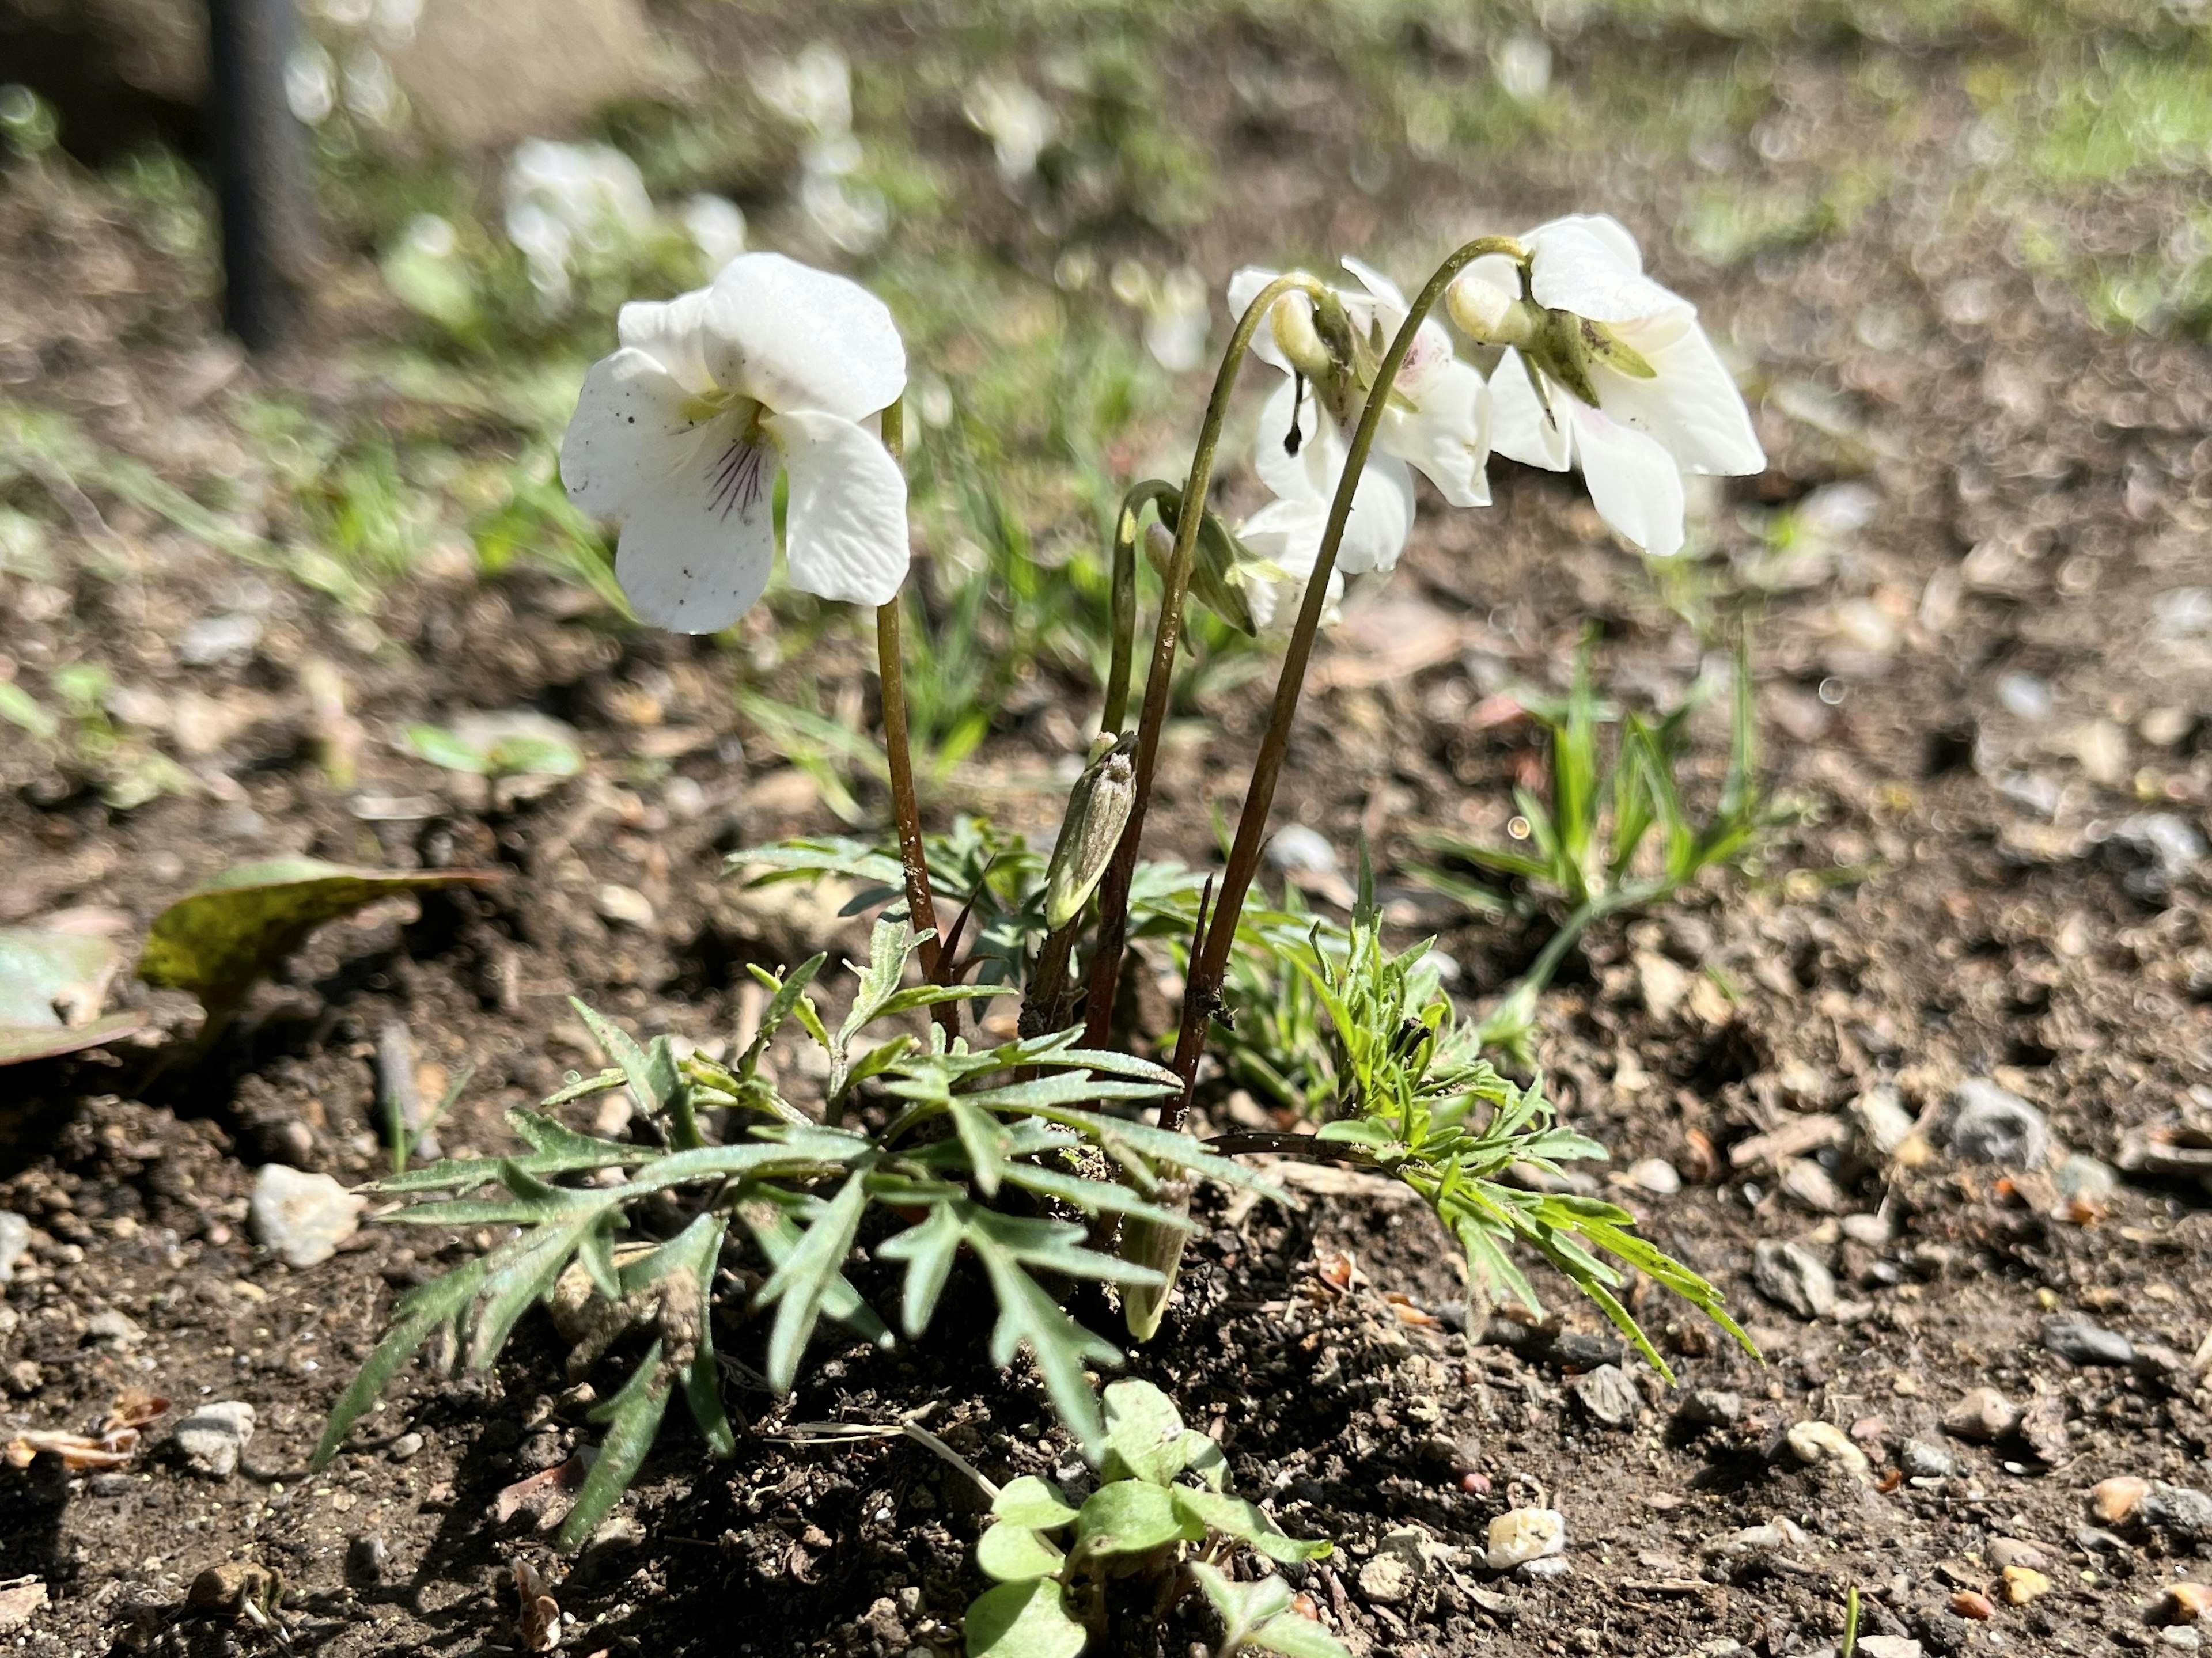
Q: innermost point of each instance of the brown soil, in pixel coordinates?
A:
(1970, 899)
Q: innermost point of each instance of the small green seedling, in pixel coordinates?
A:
(1161, 1514)
(516, 743)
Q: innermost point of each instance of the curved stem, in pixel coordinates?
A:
(1206, 972)
(1124, 599)
(890, 667)
(1114, 890)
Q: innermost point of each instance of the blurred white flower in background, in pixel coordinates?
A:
(1176, 321)
(776, 367)
(717, 228)
(311, 85)
(370, 91)
(1522, 64)
(566, 202)
(1615, 377)
(814, 90)
(1019, 124)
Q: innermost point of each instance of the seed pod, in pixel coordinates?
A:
(1098, 808)
(1488, 312)
(1291, 320)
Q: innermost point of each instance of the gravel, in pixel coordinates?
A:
(1789, 1275)
(1989, 1124)
(2076, 1338)
(302, 1217)
(211, 1438)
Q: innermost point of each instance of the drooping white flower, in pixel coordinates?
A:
(1303, 470)
(717, 227)
(776, 367)
(1437, 418)
(1018, 123)
(1617, 377)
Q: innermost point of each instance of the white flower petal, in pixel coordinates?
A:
(627, 434)
(845, 534)
(673, 333)
(1634, 483)
(1309, 473)
(1448, 435)
(1244, 288)
(1692, 405)
(792, 336)
(1575, 266)
(697, 546)
(1382, 517)
(1499, 269)
(1520, 427)
(1286, 536)
(1615, 236)
(1386, 293)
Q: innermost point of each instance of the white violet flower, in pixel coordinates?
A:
(1438, 415)
(1303, 469)
(776, 367)
(1615, 376)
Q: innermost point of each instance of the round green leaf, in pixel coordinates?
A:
(1023, 1620)
(1028, 1501)
(1235, 1517)
(1014, 1554)
(1130, 1518)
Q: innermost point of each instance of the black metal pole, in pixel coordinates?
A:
(260, 170)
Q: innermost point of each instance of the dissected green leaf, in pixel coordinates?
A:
(778, 1234)
(807, 1277)
(1023, 1620)
(633, 1418)
(419, 1315)
(216, 941)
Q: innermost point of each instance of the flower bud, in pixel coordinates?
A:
(1150, 1244)
(1214, 573)
(1487, 312)
(1291, 321)
(1098, 808)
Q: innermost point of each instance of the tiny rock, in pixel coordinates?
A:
(1812, 1186)
(2181, 1637)
(1789, 1275)
(1882, 1117)
(302, 1217)
(211, 1438)
(1990, 1125)
(20, 1603)
(15, 1238)
(1712, 1407)
(1656, 1175)
(1386, 1579)
(2115, 1499)
(1824, 1442)
(1889, 1646)
(1302, 851)
(2023, 1584)
(1922, 1460)
(1973, 1603)
(365, 1557)
(2085, 1179)
(403, 1449)
(1665, 984)
(2181, 1509)
(2075, 1338)
(2188, 1603)
(1983, 1415)
(624, 905)
(2006, 1552)
(1608, 1395)
(1521, 1535)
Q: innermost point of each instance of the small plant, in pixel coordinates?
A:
(1592, 844)
(765, 414)
(977, 1142)
(1161, 1523)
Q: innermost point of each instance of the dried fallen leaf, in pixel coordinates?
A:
(1407, 1311)
(544, 1497)
(79, 1452)
(537, 1621)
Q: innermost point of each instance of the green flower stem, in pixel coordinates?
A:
(890, 665)
(1204, 986)
(1124, 600)
(1114, 890)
